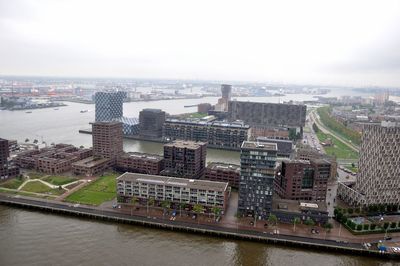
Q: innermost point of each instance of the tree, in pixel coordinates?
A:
(134, 200)
(393, 225)
(182, 205)
(296, 220)
(216, 210)
(150, 202)
(273, 219)
(359, 227)
(166, 204)
(35, 141)
(386, 225)
(373, 226)
(328, 227)
(81, 146)
(198, 208)
(366, 227)
(309, 222)
(26, 140)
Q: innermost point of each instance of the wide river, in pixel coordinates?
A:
(34, 238)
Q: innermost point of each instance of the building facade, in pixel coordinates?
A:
(223, 172)
(136, 162)
(107, 140)
(175, 190)
(268, 114)
(7, 170)
(257, 164)
(217, 134)
(303, 180)
(185, 159)
(151, 122)
(109, 105)
(285, 147)
(378, 179)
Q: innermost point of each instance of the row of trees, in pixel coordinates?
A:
(370, 210)
(332, 123)
(272, 219)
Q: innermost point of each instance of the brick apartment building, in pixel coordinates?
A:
(6, 169)
(186, 159)
(223, 172)
(136, 162)
(303, 180)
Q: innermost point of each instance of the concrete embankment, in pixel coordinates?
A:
(95, 213)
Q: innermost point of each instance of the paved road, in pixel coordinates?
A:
(314, 117)
(96, 211)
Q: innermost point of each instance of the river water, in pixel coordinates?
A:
(34, 238)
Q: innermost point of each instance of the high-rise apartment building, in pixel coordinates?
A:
(107, 140)
(6, 170)
(109, 105)
(151, 122)
(303, 180)
(186, 159)
(257, 164)
(378, 179)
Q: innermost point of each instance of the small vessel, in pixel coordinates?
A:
(28, 112)
(55, 108)
(84, 111)
(193, 105)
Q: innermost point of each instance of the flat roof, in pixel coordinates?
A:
(297, 206)
(174, 181)
(153, 157)
(234, 124)
(260, 145)
(185, 144)
(223, 166)
(90, 162)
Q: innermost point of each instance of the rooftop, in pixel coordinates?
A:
(297, 206)
(185, 144)
(235, 124)
(173, 181)
(90, 162)
(259, 146)
(223, 166)
(152, 157)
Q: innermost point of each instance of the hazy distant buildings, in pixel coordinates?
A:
(222, 105)
(109, 105)
(257, 163)
(186, 159)
(151, 122)
(268, 114)
(378, 179)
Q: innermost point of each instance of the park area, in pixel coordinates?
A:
(338, 148)
(96, 192)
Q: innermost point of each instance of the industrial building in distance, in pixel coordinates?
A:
(378, 179)
(256, 187)
(175, 190)
(185, 159)
(217, 134)
(258, 114)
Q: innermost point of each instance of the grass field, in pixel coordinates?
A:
(23, 193)
(351, 168)
(38, 187)
(13, 183)
(339, 149)
(99, 191)
(59, 180)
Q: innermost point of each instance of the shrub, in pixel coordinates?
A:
(366, 227)
(359, 227)
(386, 225)
(393, 225)
(373, 226)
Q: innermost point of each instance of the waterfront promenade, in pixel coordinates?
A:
(192, 227)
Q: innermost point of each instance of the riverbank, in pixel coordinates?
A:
(212, 230)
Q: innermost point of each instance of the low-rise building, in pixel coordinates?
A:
(223, 172)
(175, 190)
(137, 162)
(91, 166)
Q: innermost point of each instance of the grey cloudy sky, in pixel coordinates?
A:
(328, 42)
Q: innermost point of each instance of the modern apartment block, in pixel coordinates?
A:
(285, 147)
(257, 163)
(109, 105)
(378, 179)
(217, 134)
(303, 180)
(107, 140)
(137, 162)
(268, 114)
(52, 160)
(151, 122)
(185, 159)
(176, 190)
(223, 172)
(6, 170)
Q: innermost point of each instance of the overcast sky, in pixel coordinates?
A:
(326, 42)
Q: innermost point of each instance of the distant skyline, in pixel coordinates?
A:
(344, 43)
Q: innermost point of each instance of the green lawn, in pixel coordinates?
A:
(12, 183)
(38, 187)
(35, 175)
(22, 193)
(59, 180)
(99, 191)
(351, 168)
(339, 149)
